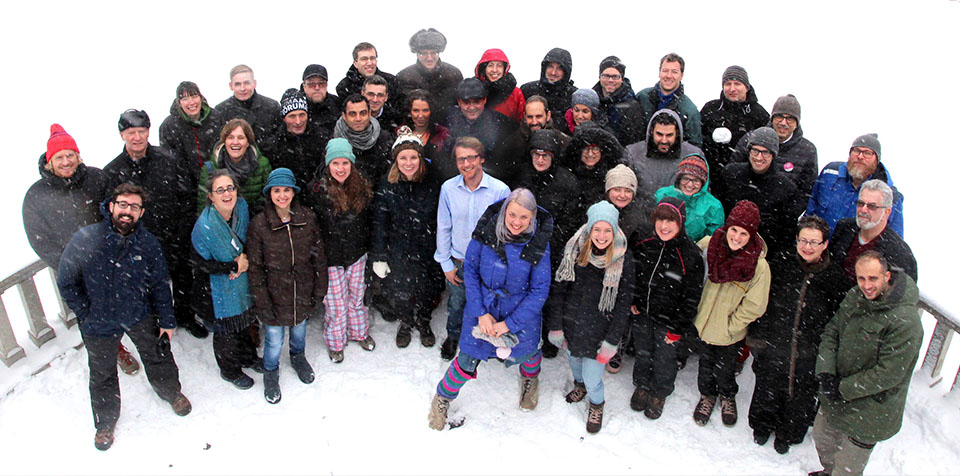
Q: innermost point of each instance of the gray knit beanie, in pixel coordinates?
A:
(621, 176)
(765, 137)
(587, 97)
(870, 141)
(613, 62)
(736, 73)
(787, 105)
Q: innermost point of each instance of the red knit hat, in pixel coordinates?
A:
(746, 215)
(59, 140)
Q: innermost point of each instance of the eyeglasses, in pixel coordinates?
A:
(315, 84)
(766, 154)
(611, 77)
(223, 190)
(870, 206)
(592, 149)
(688, 179)
(366, 59)
(863, 152)
(375, 95)
(785, 118)
(806, 242)
(428, 54)
(135, 207)
(468, 158)
(539, 154)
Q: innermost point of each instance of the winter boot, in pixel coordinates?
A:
(255, 365)
(241, 380)
(403, 335)
(427, 339)
(448, 349)
(615, 363)
(594, 418)
(181, 406)
(303, 368)
(367, 343)
(438, 412)
(128, 364)
(579, 391)
(639, 400)
(336, 356)
(704, 409)
(761, 437)
(271, 385)
(654, 407)
(728, 411)
(103, 440)
(529, 392)
(781, 446)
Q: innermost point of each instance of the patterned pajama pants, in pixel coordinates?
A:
(346, 316)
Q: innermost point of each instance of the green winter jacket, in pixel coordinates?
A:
(726, 309)
(251, 190)
(873, 346)
(704, 211)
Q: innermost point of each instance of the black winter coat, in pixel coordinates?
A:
(797, 160)
(352, 83)
(558, 95)
(441, 83)
(170, 210)
(773, 193)
(345, 236)
(261, 112)
(375, 162)
(592, 181)
(405, 228)
(888, 243)
(493, 130)
(288, 269)
(575, 311)
(670, 278)
(188, 140)
(558, 192)
(302, 154)
(739, 117)
(323, 115)
(55, 208)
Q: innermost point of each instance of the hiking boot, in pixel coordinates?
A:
(639, 400)
(781, 446)
(761, 437)
(529, 392)
(579, 391)
(103, 440)
(427, 339)
(302, 367)
(367, 343)
(128, 364)
(448, 349)
(181, 406)
(654, 407)
(728, 411)
(195, 329)
(271, 385)
(438, 412)
(403, 336)
(704, 409)
(594, 418)
(336, 356)
(615, 363)
(241, 381)
(549, 350)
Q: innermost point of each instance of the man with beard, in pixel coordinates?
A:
(298, 144)
(365, 65)
(258, 110)
(835, 192)
(554, 84)
(471, 118)
(323, 108)
(430, 74)
(114, 276)
(371, 143)
(655, 159)
(536, 116)
(668, 93)
(870, 230)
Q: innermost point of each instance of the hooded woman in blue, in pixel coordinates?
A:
(507, 280)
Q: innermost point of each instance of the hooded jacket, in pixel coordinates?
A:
(653, 169)
(649, 98)
(834, 197)
(558, 94)
(54, 208)
(737, 117)
(873, 347)
(189, 140)
(704, 212)
(503, 95)
(797, 159)
(592, 181)
(441, 82)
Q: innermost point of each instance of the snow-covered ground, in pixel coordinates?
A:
(856, 67)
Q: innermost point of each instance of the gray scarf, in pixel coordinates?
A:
(242, 169)
(362, 140)
(611, 274)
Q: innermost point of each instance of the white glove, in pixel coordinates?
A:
(381, 269)
(722, 135)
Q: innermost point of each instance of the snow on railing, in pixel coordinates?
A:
(943, 332)
(39, 331)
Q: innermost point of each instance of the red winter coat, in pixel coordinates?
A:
(503, 95)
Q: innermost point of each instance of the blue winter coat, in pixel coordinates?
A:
(510, 281)
(112, 282)
(834, 196)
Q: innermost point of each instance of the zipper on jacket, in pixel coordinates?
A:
(293, 260)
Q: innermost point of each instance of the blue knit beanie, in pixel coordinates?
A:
(338, 148)
(602, 211)
(282, 177)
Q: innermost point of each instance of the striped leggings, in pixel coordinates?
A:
(464, 369)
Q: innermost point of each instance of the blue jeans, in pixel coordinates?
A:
(273, 342)
(455, 304)
(590, 372)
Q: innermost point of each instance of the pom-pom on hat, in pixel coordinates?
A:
(59, 140)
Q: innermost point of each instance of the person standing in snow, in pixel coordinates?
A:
(261, 112)
(691, 184)
(66, 198)
(867, 355)
(114, 276)
(554, 84)
(668, 94)
(342, 198)
(735, 294)
(591, 153)
(431, 74)
(364, 66)
(472, 118)
(503, 95)
(617, 101)
(507, 279)
(298, 144)
(371, 143)
(288, 276)
(595, 284)
(404, 235)
(655, 159)
(385, 111)
(221, 289)
(323, 107)
(422, 121)
(237, 153)
(191, 129)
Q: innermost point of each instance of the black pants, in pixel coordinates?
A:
(161, 369)
(181, 276)
(234, 350)
(772, 409)
(717, 374)
(410, 291)
(655, 368)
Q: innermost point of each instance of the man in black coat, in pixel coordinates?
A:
(382, 107)
(472, 118)
(371, 143)
(724, 121)
(191, 130)
(554, 84)
(324, 108)
(537, 116)
(365, 65)
(166, 179)
(298, 144)
(430, 74)
(259, 111)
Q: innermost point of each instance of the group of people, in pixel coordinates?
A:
(599, 222)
